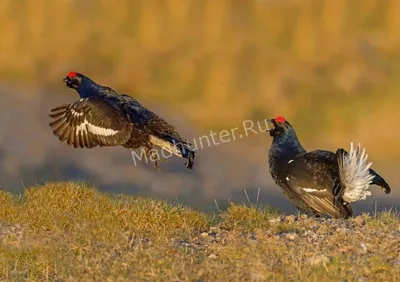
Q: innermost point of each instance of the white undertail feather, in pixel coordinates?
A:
(163, 144)
(354, 175)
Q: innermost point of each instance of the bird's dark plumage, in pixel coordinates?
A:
(319, 181)
(102, 117)
(91, 122)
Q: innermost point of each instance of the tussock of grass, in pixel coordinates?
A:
(245, 218)
(69, 231)
(71, 207)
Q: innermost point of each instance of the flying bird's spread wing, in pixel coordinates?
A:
(91, 122)
(311, 175)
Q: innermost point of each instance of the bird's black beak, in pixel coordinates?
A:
(68, 82)
(270, 125)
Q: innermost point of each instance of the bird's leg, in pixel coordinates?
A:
(316, 214)
(302, 213)
(154, 158)
(155, 165)
(162, 159)
(298, 213)
(337, 192)
(152, 155)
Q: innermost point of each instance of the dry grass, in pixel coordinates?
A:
(71, 232)
(221, 62)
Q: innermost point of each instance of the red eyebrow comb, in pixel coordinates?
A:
(280, 119)
(71, 74)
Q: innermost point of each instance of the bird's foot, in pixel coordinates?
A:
(157, 161)
(153, 156)
(162, 160)
(155, 165)
(316, 214)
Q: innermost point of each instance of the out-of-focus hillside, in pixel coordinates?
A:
(331, 66)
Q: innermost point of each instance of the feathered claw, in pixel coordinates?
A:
(190, 160)
(152, 156)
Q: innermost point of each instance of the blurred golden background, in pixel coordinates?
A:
(331, 67)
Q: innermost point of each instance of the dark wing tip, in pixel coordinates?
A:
(62, 107)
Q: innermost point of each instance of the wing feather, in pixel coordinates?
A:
(91, 122)
(326, 206)
(312, 176)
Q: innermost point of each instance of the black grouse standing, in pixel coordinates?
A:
(103, 117)
(319, 181)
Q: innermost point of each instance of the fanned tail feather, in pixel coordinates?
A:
(354, 174)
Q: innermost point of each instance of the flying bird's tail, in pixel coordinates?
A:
(354, 175)
(176, 146)
(188, 154)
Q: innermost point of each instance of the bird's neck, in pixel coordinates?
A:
(93, 89)
(283, 149)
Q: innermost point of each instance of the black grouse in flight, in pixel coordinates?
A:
(319, 181)
(102, 117)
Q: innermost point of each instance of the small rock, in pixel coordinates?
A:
(315, 228)
(364, 247)
(291, 236)
(290, 219)
(257, 277)
(303, 216)
(204, 234)
(359, 221)
(396, 262)
(318, 260)
(212, 256)
(275, 220)
(185, 244)
(214, 230)
(10, 233)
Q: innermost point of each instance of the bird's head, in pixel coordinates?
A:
(83, 85)
(280, 127)
(73, 80)
(285, 143)
(76, 80)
